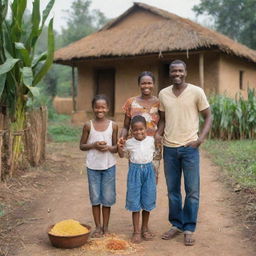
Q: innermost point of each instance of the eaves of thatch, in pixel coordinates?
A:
(170, 34)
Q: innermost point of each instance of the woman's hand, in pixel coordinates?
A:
(158, 141)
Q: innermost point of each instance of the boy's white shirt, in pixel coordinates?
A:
(140, 151)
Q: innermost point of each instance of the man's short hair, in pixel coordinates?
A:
(175, 62)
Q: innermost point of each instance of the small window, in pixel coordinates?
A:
(241, 80)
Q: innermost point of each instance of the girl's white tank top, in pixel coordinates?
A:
(95, 159)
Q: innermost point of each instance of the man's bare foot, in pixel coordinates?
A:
(136, 238)
(188, 239)
(97, 233)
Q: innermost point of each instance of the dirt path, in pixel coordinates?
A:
(218, 232)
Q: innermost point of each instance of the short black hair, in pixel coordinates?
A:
(100, 97)
(146, 73)
(137, 119)
(175, 62)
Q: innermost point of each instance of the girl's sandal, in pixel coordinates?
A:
(147, 236)
(136, 238)
(97, 233)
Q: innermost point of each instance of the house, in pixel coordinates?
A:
(147, 38)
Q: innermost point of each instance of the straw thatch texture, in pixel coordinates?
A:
(170, 34)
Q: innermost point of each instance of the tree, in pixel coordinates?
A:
(20, 68)
(234, 18)
(81, 21)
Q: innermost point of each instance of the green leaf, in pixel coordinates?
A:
(8, 65)
(34, 91)
(2, 83)
(3, 8)
(46, 12)
(18, 7)
(39, 58)
(24, 53)
(50, 54)
(35, 20)
(27, 76)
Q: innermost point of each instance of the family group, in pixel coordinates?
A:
(154, 127)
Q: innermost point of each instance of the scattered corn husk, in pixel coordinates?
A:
(111, 243)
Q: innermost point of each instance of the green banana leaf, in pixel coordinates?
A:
(34, 91)
(2, 83)
(23, 52)
(50, 54)
(38, 59)
(8, 65)
(27, 74)
(46, 12)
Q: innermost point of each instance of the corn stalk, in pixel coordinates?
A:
(234, 118)
(20, 69)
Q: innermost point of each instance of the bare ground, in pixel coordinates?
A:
(59, 190)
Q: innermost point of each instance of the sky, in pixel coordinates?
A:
(114, 8)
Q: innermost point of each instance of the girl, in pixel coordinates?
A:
(141, 181)
(99, 138)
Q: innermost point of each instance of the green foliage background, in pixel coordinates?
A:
(81, 21)
(234, 18)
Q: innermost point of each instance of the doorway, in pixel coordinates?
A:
(164, 79)
(105, 84)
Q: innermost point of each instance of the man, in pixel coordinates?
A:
(180, 107)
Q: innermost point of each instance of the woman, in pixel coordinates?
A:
(146, 105)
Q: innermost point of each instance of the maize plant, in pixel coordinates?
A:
(20, 69)
(234, 118)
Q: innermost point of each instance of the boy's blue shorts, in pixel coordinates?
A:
(102, 186)
(141, 187)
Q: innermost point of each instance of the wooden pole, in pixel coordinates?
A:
(73, 89)
(201, 69)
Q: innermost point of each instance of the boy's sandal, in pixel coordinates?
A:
(136, 237)
(189, 240)
(172, 232)
(147, 236)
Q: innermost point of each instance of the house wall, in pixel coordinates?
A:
(126, 85)
(211, 70)
(221, 75)
(211, 73)
(230, 68)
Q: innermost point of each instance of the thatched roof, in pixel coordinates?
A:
(170, 34)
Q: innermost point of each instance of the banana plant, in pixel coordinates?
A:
(20, 69)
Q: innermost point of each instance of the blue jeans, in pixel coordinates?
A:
(186, 160)
(102, 186)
